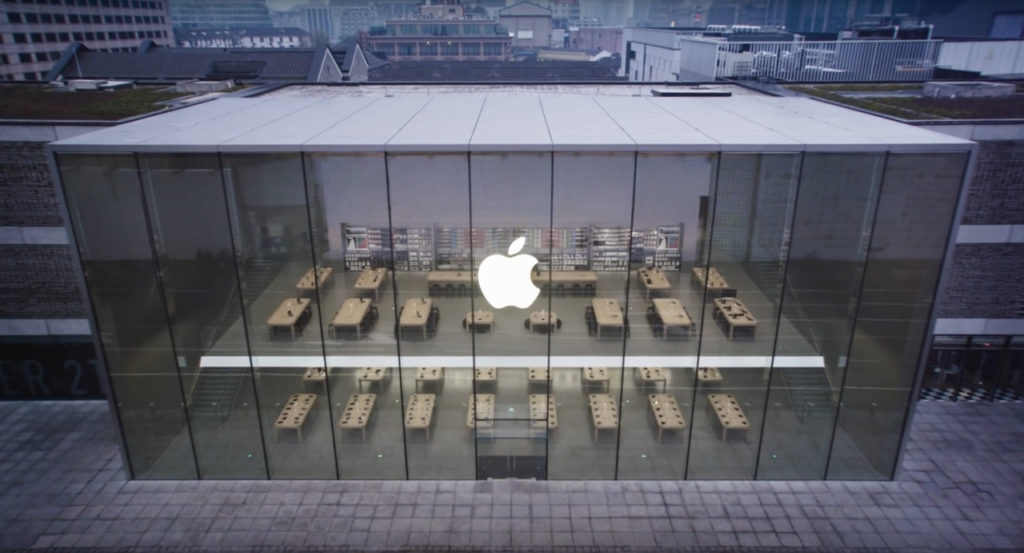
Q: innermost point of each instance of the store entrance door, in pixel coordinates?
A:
(511, 448)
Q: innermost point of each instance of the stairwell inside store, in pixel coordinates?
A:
(215, 389)
(809, 391)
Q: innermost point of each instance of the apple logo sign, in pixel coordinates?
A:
(506, 281)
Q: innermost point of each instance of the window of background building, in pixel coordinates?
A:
(492, 49)
(25, 58)
(406, 49)
(31, 18)
(20, 38)
(470, 29)
(407, 29)
(428, 49)
(14, 17)
(471, 49)
(449, 49)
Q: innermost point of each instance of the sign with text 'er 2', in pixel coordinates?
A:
(48, 369)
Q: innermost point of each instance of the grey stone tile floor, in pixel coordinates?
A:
(63, 487)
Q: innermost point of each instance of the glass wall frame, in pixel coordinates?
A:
(297, 213)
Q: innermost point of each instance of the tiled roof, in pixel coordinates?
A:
(171, 64)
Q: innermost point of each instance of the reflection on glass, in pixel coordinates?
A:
(740, 278)
(185, 199)
(823, 278)
(348, 204)
(664, 309)
(589, 267)
(511, 199)
(105, 204)
(270, 222)
(918, 198)
(432, 261)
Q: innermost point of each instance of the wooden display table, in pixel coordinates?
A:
(290, 315)
(449, 283)
(575, 282)
(350, 316)
(480, 412)
(666, 413)
(716, 284)
(537, 375)
(369, 281)
(603, 413)
(709, 375)
(315, 375)
(479, 320)
(429, 374)
(730, 415)
(415, 315)
(542, 412)
(486, 375)
(293, 414)
(734, 314)
(595, 375)
(320, 276)
(546, 320)
(607, 314)
(653, 280)
(372, 375)
(673, 315)
(651, 375)
(357, 413)
(419, 413)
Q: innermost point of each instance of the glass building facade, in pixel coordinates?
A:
(315, 310)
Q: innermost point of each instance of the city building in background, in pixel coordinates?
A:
(218, 14)
(34, 35)
(608, 39)
(297, 285)
(255, 37)
(528, 24)
(441, 31)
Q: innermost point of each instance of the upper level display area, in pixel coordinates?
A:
(495, 118)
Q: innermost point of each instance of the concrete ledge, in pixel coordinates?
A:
(44, 327)
(37, 236)
(979, 326)
(990, 234)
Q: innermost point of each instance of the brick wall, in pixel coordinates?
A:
(27, 195)
(983, 282)
(996, 193)
(39, 282)
(36, 281)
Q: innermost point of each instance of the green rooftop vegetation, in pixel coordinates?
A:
(919, 107)
(45, 102)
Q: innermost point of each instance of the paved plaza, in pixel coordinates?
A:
(62, 485)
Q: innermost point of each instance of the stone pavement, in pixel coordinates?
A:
(62, 486)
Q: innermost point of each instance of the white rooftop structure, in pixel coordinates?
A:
(478, 118)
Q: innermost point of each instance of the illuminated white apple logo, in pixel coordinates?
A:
(506, 281)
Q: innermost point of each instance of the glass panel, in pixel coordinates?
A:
(268, 211)
(592, 200)
(1011, 379)
(944, 367)
(185, 198)
(348, 203)
(834, 212)
(511, 199)
(918, 199)
(664, 308)
(741, 280)
(430, 235)
(105, 202)
(981, 365)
